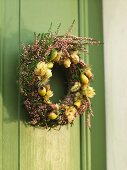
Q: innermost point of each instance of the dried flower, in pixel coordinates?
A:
(41, 69)
(76, 87)
(49, 94)
(48, 74)
(67, 63)
(88, 72)
(88, 91)
(71, 118)
(70, 113)
(43, 72)
(78, 96)
(75, 57)
(58, 57)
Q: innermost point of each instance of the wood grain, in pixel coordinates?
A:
(8, 92)
(40, 149)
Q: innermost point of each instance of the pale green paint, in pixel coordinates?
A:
(1, 86)
(23, 147)
(8, 111)
(56, 149)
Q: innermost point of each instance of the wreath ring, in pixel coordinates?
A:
(35, 71)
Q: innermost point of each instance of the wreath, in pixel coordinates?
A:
(35, 70)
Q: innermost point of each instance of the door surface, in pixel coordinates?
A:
(26, 148)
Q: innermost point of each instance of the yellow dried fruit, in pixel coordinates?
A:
(75, 57)
(84, 79)
(53, 55)
(52, 115)
(48, 74)
(88, 73)
(67, 63)
(50, 65)
(42, 91)
(58, 57)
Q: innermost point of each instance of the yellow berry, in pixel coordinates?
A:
(58, 57)
(53, 55)
(50, 65)
(75, 58)
(52, 116)
(42, 91)
(89, 73)
(67, 63)
(84, 79)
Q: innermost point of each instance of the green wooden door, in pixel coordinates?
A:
(26, 148)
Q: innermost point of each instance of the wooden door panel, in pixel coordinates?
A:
(40, 149)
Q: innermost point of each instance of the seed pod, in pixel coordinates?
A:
(50, 65)
(53, 55)
(42, 91)
(84, 79)
(52, 115)
(88, 73)
(67, 63)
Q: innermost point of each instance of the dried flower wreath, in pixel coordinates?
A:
(37, 61)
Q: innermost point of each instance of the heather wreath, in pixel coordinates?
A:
(35, 70)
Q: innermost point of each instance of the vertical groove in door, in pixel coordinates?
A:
(85, 136)
(98, 136)
(8, 87)
(19, 92)
(88, 132)
(82, 120)
(1, 82)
